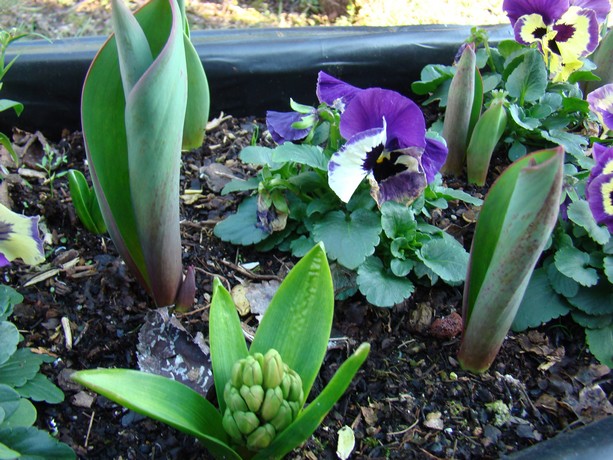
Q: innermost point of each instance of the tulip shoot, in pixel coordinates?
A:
(483, 141)
(261, 391)
(136, 118)
(514, 224)
(459, 111)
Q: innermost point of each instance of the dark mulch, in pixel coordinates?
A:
(410, 400)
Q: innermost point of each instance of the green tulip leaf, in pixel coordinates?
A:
(162, 399)
(514, 225)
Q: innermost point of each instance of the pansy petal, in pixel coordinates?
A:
(19, 238)
(334, 92)
(531, 28)
(348, 167)
(601, 103)
(604, 161)
(550, 10)
(279, 125)
(406, 126)
(433, 158)
(576, 33)
(602, 8)
(601, 199)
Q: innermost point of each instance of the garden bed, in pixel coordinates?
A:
(410, 400)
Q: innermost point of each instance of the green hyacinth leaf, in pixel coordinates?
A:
(299, 318)
(514, 225)
(308, 421)
(162, 399)
(226, 339)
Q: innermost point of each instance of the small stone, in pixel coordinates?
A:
(448, 327)
(434, 421)
(83, 399)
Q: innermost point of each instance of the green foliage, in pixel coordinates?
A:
(271, 377)
(294, 208)
(542, 113)
(518, 215)
(50, 163)
(577, 279)
(20, 381)
(85, 202)
(6, 38)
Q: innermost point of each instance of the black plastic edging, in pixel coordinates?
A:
(249, 70)
(591, 442)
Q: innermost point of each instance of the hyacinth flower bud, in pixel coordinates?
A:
(263, 397)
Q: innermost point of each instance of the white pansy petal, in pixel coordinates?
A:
(347, 167)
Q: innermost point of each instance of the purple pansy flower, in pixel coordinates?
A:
(386, 142)
(19, 238)
(565, 31)
(599, 187)
(601, 103)
(281, 125)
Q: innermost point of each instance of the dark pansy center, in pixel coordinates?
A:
(386, 166)
(5, 230)
(564, 32)
(539, 32)
(372, 157)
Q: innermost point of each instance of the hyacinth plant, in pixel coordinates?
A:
(359, 173)
(144, 99)
(261, 390)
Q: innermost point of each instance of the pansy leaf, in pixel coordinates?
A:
(528, 81)
(241, 185)
(595, 300)
(508, 47)
(349, 239)
(397, 219)
(301, 245)
(401, 267)
(520, 117)
(9, 297)
(310, 155)
(432, 76)
(380, 287)
(560, 283)
(32, 443)
(40, 388)
(259, 156)
(575, 144)
(241, 227)
(9, 338)
(591, 321)
(608, 268)
(540, 303)
(573, 263)
(601, 344)
(579, 212)
(445, 257)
